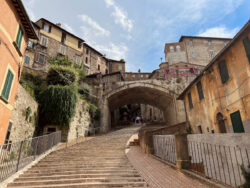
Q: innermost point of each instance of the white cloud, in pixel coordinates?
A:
(92, 27)
(120, 16)
(113, 51)
(68, 28)
(221, 31)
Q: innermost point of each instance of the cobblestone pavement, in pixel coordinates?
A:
(158, 174)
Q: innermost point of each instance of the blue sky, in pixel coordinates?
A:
(137, 30)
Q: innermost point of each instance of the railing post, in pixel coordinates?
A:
(183, 160)
(19, 155)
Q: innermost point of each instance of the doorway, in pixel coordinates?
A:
(237, 122)
(221, 123)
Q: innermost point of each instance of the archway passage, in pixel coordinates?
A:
(150, 94)
(221, 123)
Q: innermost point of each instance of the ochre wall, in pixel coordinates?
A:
(9, 24)
(224, 98)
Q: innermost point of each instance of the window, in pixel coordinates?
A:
(191, 41)
(86, 60)
(99, 67)
(225, 43)
(19, 37)
(119, 67)
(63, 38)
(79, 44)
(7, 138)
(30, 44)
(78, 60)
(246, 43)
(44, 41)
(200, 91)
(200, 129)
(190, 101)
(87, 51)
(193, 53)
(178, 48)
(209, 42)
(41, 58)
(171, 49)
(223, 71)
(141, 75)
(106, 71)
(27, 60)
(86, 70)
(46, 28)
(7, 85)
(211, 53)
(62, 49)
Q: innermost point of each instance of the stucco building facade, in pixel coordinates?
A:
(15, 29)
(218, 101)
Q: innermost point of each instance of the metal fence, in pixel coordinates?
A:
(14, 156)
(219, 162)
(165, 147)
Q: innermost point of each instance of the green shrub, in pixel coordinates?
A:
(57, 105)
(85, 90)
(94, 112)
(61, 76)
(59, 60)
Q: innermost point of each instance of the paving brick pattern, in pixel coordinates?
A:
(158, 174)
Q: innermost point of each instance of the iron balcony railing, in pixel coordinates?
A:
(14, 156)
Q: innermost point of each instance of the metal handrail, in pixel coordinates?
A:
(14, 156)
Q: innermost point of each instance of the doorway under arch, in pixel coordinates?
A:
(221, 123)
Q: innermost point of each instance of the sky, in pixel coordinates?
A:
(137, 30)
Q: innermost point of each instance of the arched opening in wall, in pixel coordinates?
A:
(129, 96)
(221, 123)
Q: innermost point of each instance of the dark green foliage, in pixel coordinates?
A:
(27, 113)
(60, 60)
(81, 73)
(57, 105)
(246, 176)
(94, 112)
(85, 90)
(32, 84)
(61, 76)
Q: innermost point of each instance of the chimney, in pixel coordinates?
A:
(59, 24)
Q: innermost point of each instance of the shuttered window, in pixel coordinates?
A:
(19, 37)
(27, 60)
(246, 43)
(190, 101)
(200, 91)
(7, 85)
(223, 71)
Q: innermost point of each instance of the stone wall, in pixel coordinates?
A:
(22, 127)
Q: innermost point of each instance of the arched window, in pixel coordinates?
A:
(99, 67)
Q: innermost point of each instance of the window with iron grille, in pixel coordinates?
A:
(246, 43)
(223, 71)
(190, 102)
(200, 91)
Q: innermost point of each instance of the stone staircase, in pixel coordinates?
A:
(99, 162)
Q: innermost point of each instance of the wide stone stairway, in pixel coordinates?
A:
(99, 162)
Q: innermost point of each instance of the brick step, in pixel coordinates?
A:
(62, 168)
(96, 185)
(77, 180)
(90, 171)
(55, 164)
(53, 177)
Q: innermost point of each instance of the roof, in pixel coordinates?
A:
(25, 20)
(93, 49)
(115, 61)
(201, 37)
(215, 58)
(58, 27)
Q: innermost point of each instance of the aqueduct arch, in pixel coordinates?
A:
(149, 92)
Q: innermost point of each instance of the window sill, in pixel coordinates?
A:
(17, 49)
(4, 100)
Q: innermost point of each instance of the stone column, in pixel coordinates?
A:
(183, 160)
(105, 116)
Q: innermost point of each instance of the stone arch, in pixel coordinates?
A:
(143, 93)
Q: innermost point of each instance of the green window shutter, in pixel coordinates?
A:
(223, 71)
(200, 91)
(190, 101)
(27, 60)
(19, 37)
(246, 43)
(7, 85)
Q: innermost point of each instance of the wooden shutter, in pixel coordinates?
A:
(27, 60)
(246, 43)
(200, 91)
(237, 122)
(223, 71)
(7, 85)
(19, 37)
(190, 101)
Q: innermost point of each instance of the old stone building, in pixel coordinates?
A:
(15, 29)
(218, 99)
(194, 49)
(115, 66)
